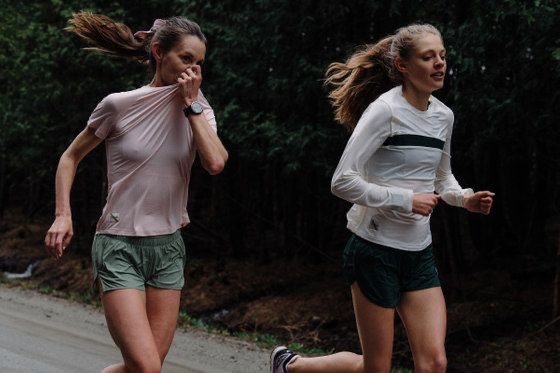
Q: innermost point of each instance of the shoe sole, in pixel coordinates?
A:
(273, 355)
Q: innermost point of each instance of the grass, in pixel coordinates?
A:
(45, 289)
(266, 341)
(308, 351)
(187, 320)
(87, 297)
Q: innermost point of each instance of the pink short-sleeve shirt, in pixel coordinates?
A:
(150, 152)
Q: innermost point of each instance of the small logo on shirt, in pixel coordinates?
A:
(115, 216)
(372, 225)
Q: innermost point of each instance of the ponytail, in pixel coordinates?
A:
(360, 80)
(369, 72)
(117, 40)
(107, 36)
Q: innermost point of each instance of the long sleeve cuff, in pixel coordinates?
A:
(400, 199)
(455, 198)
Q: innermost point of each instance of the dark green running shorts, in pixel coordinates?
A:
(383, 273)
(126, 262)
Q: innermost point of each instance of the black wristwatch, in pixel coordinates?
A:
(194, 109)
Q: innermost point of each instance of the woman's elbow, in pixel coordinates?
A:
(68, 159)
(336, 188)
(215, 167)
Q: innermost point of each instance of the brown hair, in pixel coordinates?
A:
(369, 72)
(117, 40)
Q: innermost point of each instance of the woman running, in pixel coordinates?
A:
(152, 135)
(397, 156)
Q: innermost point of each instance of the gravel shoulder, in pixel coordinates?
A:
(40, 333)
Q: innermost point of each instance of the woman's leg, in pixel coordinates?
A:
(339, 362)
(423, 314)
(162, 306)
(375, 328)
(125, 311)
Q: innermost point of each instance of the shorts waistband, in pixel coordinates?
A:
(163, 239)
(389, 248)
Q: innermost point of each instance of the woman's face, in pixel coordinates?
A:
(426, 66)
(189, 51)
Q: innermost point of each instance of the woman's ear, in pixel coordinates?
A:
(400, 65)
(156, 51)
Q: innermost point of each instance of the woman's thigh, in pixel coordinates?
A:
(376, 329)
(423, 313)
(162, 307)
(125, 311)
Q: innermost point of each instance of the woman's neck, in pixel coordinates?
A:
(156, 80)
(419, 99)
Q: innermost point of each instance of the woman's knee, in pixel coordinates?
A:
(359, 366)
(144, 364)
(440, 363)
(376, 364)
(434, 363)
(355, 362)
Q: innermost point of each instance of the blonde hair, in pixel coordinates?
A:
(117, 40)
(369, 72)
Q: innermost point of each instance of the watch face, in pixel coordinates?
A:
(196, 107)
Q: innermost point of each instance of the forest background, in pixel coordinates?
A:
(266, 236)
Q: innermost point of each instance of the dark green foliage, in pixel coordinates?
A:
(263, 76)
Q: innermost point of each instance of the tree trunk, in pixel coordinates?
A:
(556, 295)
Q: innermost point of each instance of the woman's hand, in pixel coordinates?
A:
(480, 202)
(189, 84)
(59, 235)
(424, 203)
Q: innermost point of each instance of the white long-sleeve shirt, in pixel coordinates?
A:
(396, 150)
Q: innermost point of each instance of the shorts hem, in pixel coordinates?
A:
(122, 288)
(165, 287)
(104, 288)
(424, 287)
(373, 300)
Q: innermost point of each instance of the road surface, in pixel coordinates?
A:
(40, 333)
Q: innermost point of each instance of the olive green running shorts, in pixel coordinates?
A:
(383, 273)
(126, 262)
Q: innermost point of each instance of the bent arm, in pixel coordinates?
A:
(60, 233)
(452, 193)
(349, 182)
(445, 184)
(212, 153)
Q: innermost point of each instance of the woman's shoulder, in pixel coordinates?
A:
(117, 100)
(384, 101)
(439, 106)
(389, 97)
(113, 99)
(122, 95)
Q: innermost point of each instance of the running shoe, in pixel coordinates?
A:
(280, 358)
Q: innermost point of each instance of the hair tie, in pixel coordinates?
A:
(141, 35)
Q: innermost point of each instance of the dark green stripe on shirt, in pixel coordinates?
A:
(414, 140)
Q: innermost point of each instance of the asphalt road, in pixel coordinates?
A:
(40, 333)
